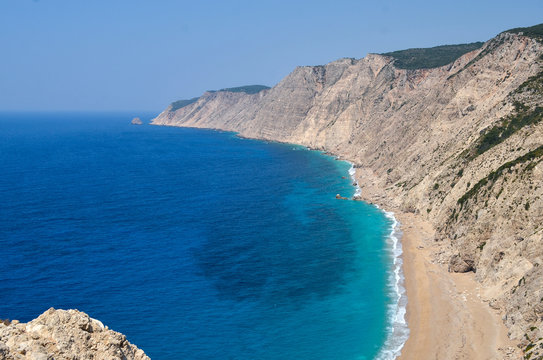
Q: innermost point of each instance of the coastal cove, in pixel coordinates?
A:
(271, 180)
(148, 229)
(447, 314)
(438, 314)
(454, 149)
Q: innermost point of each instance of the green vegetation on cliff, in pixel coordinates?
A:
(494, 175)
(176, 105)
(521, 116)
(533, 85)
(248, 89)
(535, 31)
(428, 58)
(508, 125)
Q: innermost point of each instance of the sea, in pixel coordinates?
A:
(195, 244)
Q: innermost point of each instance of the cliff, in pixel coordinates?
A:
(460, 145)
(64, 334)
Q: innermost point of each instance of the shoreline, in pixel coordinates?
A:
(397, 329)
(446, 314)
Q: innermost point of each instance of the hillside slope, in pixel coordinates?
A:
(460, 144)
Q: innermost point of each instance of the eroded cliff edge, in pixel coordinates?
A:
(64, 334)
(461, 145)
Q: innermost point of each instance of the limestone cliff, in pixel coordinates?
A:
(460, 144)
(64, 334)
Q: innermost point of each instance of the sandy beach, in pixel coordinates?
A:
(446, 315)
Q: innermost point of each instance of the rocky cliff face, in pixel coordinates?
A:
(64, 334)
(459, 144)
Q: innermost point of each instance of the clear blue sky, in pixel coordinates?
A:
(143, 54)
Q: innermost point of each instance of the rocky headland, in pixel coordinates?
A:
(64, 335)
(457, 145)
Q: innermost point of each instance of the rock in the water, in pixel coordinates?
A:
(136, 121)
(64, 334)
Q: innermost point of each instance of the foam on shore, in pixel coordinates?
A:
(397, 329)
(352, 173)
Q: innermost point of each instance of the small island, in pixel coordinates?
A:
(137, 121)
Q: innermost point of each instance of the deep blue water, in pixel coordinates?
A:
(195, 244)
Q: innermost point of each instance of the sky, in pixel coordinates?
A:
(115, 55)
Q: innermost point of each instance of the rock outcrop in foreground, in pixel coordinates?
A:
(63, 335)
(460, 144)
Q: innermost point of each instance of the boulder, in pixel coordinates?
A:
(458, 265)
(64, 334)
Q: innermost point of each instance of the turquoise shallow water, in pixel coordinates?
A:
(195, 244)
